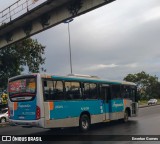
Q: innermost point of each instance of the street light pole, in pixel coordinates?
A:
(70, 53)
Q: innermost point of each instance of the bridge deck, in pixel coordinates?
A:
(31, 15)
(44, 16)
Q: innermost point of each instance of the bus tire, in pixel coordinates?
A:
(126, 116)
(84, 123)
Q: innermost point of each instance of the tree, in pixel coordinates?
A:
(148, 86)
(15, 58)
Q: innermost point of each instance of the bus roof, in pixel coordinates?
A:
(82, 78)
(86, 78)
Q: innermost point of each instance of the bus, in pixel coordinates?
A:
(52, 101)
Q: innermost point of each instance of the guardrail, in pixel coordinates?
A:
(17, 9)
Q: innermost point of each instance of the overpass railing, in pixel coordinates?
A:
(17, 9)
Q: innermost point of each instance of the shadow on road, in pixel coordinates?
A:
(99, 132)
(99, 129)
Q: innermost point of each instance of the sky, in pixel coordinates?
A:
(110, 42)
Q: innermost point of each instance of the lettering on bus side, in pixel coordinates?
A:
(24, 106)
(59, 107)
(117, 105)
(84, 108)
(28, 113)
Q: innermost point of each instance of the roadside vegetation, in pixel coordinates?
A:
(145, 102)
(15, 59)
(148, 86)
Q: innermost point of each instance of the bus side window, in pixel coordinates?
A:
(102, 92)
(116, 92)
(133, 95)
(58, 90)
(48, 90)
(93, 91)
(73, 90)
(90, 91)
(126, 92)
(86, 92)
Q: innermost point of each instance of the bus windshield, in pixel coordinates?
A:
(24, 88)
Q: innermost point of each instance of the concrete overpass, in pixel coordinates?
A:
(37, 19)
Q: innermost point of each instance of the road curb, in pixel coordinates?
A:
(143, 106)
(4, 124)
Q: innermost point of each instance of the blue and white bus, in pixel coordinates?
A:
(51, 101)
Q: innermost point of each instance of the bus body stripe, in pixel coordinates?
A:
(15, 106)
(125, 102)
(51, 105)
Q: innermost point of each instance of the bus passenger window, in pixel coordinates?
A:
(48, 90)
(58, 90)
(86, 92)
(116, 91)
(93, 91)
(90, 91)
(133, 95)
(73, 90)
(102, 92)
(126, 92)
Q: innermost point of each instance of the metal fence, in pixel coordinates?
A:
(17, 9)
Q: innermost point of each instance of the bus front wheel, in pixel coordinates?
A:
(84, 123)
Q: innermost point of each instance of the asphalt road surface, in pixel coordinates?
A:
(147, 123)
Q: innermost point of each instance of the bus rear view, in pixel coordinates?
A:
(51, 101)
(24, 108)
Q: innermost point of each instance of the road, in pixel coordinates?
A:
(147, 123)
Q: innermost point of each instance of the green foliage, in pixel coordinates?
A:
(13, 59)
(148, 86)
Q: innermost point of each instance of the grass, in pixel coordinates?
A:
(145, 102)
(142, 102)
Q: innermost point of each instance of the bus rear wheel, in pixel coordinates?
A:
(84, 123)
